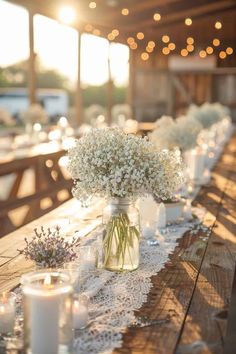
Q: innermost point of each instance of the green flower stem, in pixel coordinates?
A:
(119, 236)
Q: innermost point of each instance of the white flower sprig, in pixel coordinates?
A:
(208, 113)
(181, 133)
(109, 163)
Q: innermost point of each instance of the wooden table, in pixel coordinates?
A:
(47, 181)
(191, 295)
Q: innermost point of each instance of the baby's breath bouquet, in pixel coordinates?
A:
(181, 133)
(207, 114)
(120, 167)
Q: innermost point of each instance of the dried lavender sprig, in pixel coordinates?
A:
(49, 249)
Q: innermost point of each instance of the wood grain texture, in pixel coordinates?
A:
(191, 294)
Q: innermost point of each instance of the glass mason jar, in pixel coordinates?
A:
(47, 304)
(121, 236)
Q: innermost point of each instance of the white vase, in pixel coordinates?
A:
(174, 211)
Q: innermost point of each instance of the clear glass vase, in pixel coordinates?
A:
(121, 236)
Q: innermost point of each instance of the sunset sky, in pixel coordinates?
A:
(56, 45)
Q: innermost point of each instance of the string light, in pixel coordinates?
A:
(202, 54)
(190, 48)
(188, 21)
(165, 39)
(133, 46)
(165, 50)
(190, 40)
(111, 37)
(209, 50)
(171, 46)
(216, 42)
(151, 44)
(115, 32)
(149, 49)
(125, 12)
(130, 40)
(184, 52)
(144, 56)
(92, 5)
(229, 50)
(218, 25)
(140, 35)
(157, 17)
(88, 27)
(96, 32)
(222, 54)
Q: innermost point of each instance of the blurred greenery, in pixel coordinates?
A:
(17, 75)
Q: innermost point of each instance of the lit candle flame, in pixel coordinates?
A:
(47, 280)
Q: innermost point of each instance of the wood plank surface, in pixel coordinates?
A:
(189, 300)
(191, 294)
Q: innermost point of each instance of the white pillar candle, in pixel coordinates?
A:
(161, 216)
(196, 164)
(44, 320)
(188, 210)
(149, 230)
(7, 313)
(80, 311)
(80, 316)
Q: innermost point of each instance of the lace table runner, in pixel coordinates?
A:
(115, 297)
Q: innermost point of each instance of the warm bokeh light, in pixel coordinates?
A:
(149, 49)
(190, 48)
(216, 42)
(157, 17)
(66, 15)
(202, 54)
(184, 52)
(133, 46)
(96, 32)
(218, 25)
(88, 27)
(190, 40)
(125, 12)
(209, 50)
(92, 5)
(151, 44)
(110, 37)
(171, 46)
(144, 56)
(140, 35)
(115, 32)
(188, 21)
(222, 54)
(165, 39)
(229, 50)
(165, 50)
(130, 40)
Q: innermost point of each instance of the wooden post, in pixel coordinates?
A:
(31, 67)
(78, 94)
(131, 84)
(109, 89)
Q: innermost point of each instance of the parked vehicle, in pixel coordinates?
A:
(16, 101)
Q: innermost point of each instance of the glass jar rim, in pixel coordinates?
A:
(34, 282)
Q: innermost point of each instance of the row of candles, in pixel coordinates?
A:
(54, 305)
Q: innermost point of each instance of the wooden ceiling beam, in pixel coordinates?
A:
(197, 11)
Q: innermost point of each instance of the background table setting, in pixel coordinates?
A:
(99, 279)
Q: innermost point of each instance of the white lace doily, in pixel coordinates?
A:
(117, 296)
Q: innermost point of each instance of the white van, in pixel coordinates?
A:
(16, 100)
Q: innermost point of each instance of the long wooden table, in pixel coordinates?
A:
(46, 183)
(191, 295)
